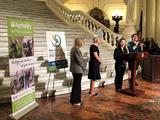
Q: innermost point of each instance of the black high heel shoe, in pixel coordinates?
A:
(94, 95)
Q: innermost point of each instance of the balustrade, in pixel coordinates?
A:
(87, 22)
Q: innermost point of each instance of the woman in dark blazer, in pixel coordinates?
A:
(77, 67)
(120, 63)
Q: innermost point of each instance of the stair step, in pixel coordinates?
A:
(44, 20)
(2, 73)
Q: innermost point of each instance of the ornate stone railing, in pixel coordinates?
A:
(84, 20)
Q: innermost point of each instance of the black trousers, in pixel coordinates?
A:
(120, 69)
(76, 88)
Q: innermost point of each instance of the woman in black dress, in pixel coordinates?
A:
(120, 63)
(94, 65)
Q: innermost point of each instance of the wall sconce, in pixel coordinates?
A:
(116, 18)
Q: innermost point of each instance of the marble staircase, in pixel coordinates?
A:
(44, 20)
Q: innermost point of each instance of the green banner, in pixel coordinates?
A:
(22, 102)
(21, 63)
(17, 27)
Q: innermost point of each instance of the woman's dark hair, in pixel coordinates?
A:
(120, 41)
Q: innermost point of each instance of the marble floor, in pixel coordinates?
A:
(110, 105)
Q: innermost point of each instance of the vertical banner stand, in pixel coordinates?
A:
(67, 81)
(56, 53)
(23, 96)
(24, 111)
(50, 93)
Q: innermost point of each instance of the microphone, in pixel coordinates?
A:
(141, 45)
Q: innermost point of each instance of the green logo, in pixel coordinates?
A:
(56, 41)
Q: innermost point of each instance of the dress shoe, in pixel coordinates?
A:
(78, 104)
(118, 90)
(136, 84)
(94, 95)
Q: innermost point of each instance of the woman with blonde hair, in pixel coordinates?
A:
(94, 65)
(77, 67)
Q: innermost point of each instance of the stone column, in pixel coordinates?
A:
(143, 8)
(130, 25)
(130, 11)
(150, 18)
(157, 22)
